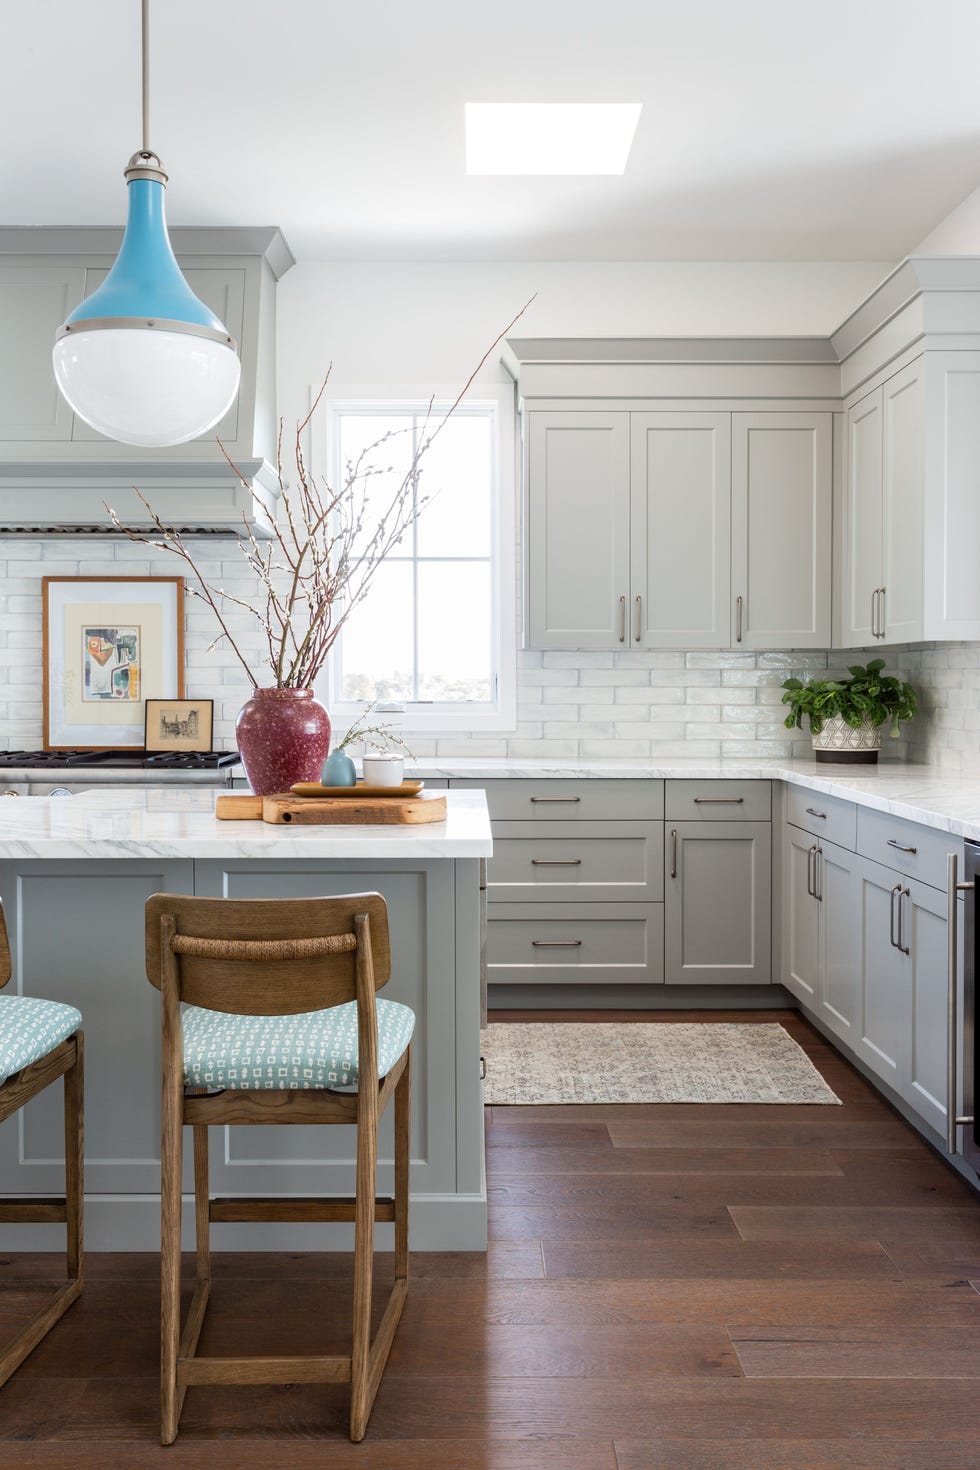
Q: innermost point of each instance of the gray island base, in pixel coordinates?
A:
(74, 877)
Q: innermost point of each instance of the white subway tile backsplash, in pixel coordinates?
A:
(631, 704)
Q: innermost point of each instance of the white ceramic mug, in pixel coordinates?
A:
(381, 769)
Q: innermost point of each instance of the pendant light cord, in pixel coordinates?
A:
(146, 74)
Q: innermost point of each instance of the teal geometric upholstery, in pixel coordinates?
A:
(30, 1028)
(314, 1049)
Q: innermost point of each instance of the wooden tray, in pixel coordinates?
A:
(306, 811)
(313, 788)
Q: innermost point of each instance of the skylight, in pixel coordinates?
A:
(549, 137)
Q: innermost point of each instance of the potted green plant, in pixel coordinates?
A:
(846, 716)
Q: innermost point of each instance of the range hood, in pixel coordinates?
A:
(56, 473)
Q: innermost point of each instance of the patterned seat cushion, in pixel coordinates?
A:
(30, 1028)
(308, 1050)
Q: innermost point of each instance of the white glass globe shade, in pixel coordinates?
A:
(146, 386)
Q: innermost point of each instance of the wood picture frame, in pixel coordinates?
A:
(108, 643)
(178, 725)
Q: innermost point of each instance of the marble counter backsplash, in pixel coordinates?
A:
(587, 706)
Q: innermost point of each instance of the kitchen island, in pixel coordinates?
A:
(74, 877)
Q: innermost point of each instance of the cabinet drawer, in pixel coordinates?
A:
(595, 861)
(824, 816)
(906, 847)
(597, 944)
(718, 801)
(578, 799)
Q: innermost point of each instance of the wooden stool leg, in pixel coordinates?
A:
(361, 1397)
(403, 1097)
(74, 1151)
(170, 1208)
(202, 1193)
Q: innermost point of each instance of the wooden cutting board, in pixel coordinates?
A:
(309, 811)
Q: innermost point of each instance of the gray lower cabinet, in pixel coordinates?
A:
(575, 944)
(821, 918)
(718, 909)
(582, 861)
(904, 987)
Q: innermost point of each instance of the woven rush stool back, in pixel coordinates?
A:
(270, 957)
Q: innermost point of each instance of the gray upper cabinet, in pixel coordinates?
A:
(782, 492)
(862, 521)
(883, 489)
(717, 903)
(646, 530)
(680, 530)
(34, 301)
(578, 529)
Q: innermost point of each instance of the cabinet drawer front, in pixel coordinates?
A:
(718, 801)
(824, 816)
(596, 861)
(920, 852)
(578, 799)
(600, 944)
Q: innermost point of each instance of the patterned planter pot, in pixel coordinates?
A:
(840, 743)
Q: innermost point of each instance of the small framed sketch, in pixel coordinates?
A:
(178, 724)
(108, 644)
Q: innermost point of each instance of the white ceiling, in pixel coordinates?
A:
(771, 129)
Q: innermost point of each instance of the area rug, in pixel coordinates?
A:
(647, 1062)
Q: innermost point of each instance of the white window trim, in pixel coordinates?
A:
(499, 716)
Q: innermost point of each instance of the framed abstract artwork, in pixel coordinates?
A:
(109, 644)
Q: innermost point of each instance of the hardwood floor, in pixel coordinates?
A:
(668, 1288)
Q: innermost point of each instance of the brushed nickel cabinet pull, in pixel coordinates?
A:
(718, 800)
(874, 612)
(622, 620)
(552, 800)
(556, 943)
(637, 619)
(953, 887)
(894, 842)
(738, 618)
(556, 862)
(809, 871)
(881, 611)
(673, 852)
(895, 943)
(817, 886)
(812, 812)
(903, 938)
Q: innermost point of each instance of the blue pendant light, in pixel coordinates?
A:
(142, 359)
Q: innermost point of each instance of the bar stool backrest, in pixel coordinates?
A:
(267, 957)
(6, 969)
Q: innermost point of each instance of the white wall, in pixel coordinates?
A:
(429, 325)
(958, 233)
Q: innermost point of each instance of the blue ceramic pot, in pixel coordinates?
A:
(339, 770)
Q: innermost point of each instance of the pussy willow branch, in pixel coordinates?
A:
(313, 571)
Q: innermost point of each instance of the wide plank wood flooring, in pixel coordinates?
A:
(670, 1287)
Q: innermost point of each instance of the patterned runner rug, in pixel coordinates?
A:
(647, 1062)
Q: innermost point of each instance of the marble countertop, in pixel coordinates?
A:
(919, 793)
(181, 824)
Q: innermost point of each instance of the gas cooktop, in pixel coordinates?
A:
(171, 760)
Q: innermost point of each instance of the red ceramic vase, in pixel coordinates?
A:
(283, 737)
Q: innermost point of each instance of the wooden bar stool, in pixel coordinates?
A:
(280, 1011)
(40, 1041)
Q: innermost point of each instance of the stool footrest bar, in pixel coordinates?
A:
(312, 1210)
(262, 1370)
